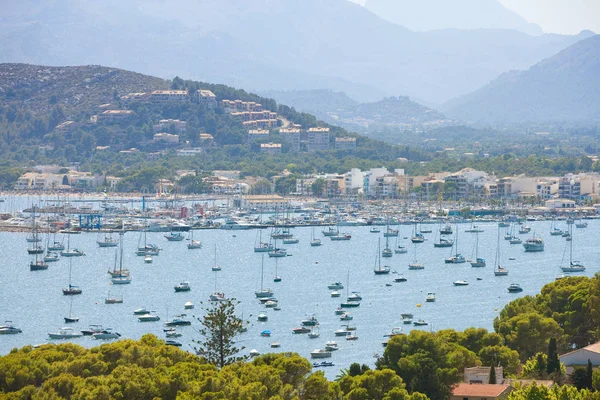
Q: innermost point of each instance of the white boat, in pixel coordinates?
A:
(254, 353)
(291, 240)
(64, 333)
(71, 290)
(194, 243)
(379, 270)
(331, 231)
(262, 317)
(515, 288)
(113, 299)
(182, 287)
(106, 334)
(71, 252)
(91, 330)
(331, 346)
(148, 259)
(461, 282)
(407, 318)
(535, 243)
(335, 286)
(420, 323)
(346, 316)
(174, 237)
(188, 305)
(277, 252)
(172, 333)
(446, 230)
(415, 265)
(479, 262)
(178, 320)
(354, 296)
(314, 333)
(335, 294)
(148, 318)
(140, 311)
(524, 229)
(263, 292)
(314, 242)
(320, 353)
(217, 296)
(51, 256)
(430, 297)
(574, 266)
(352, 336)
(341, 236)
(390, 232)
(9, 329)
(275, 345)
(457, 258)
(260, 246)
(107, 241)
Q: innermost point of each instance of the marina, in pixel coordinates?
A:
(307, 276)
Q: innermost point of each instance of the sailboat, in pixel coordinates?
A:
(70, 319)
(120, 277)
(107, 241)
(442, 242)
(71, 253)
(147, 249)
(262, 293)
(352, 300)
(275, 251)
(194, 243)
(478, 262)
(378, 269)
(399, 248)
(71, 290)
(215, 267)
(573, 266)
(260, 246)
(498, 270)
(417, 236)
(313, 240)
(216, 295)
(457, 258)
(277, 278)
(387, 252)
(34, 239)
(415, 264)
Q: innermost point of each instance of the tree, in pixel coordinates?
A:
(220, 326)
(553, 364)
(492, 380)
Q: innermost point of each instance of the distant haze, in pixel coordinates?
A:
(553, 16)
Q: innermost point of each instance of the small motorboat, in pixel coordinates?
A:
(106, 334)
(514, 288)
(148, 318)
(92, 329)
(331, 346)
(64, 333)
(172, 333)
(182, 287)
(188, 305)
(461, 282)
(178, 320)
(335, 294)
(400, 278)
(335, 286)
(320, 353)
(420, 323)
(173, 343)
(430, 297)
(275, 345)
(148, 259)
(254, 353)
(300, 330)
(262, 317)
(265, 333)
(9, 329)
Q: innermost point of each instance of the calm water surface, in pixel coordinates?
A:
(35, 303)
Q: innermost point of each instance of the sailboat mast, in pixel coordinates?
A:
(262, 269)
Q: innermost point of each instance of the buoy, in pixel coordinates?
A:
(418, 304)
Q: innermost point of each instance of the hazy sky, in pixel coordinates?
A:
(556, 16)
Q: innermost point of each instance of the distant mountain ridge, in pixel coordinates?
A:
(268, 45)
(562, 88)
(427, 15)
(339, 109)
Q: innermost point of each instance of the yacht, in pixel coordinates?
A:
(515, 240)
(9, 329)
(331, 346)
(446, 230)
(148, 318)
(182, 287)
(178, 320)
(515, 288)
(444, 243)
(320, 353)
(188, 305)
(430, 297)
(416, 265)
(456, 259)
(300, 330)
(335, 286)
(407, 318)
(262, 317)
(106, 334)
(64, 333)
(535, 243)
(310, 321)
(341, 236)
(140, 311)
(420, 323)
(91, 330)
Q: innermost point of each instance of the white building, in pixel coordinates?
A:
(270, 148)
(318, 139)
(292, 137)
(169, 96)
(165, 124)
(560, 204)
(345, 143)
(258, 134)
(580, 357)
(166, 137)
(205, 98)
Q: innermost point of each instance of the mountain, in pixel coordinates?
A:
(339, 109)
(562, 88)
(427, 15)
(268, 45)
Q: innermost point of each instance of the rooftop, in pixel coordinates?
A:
(479, 389)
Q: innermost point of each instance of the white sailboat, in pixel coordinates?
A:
(478, 262)
(499, 270)
(107, 241)
(263, 293)
(34, 239)
(120, 277)
(71, 290)
(71, 253)
(415, 264)
(216, 267)
(194, 243)
(378, 269)
(457, 258)
(387, 252)
(574, 266)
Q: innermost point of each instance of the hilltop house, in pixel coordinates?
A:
(580, 357)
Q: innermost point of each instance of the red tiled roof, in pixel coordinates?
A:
(478, 389)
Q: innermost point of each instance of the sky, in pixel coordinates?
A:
(555, 16)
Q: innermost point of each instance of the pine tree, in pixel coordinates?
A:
(492, 380)
(220, 326)
(589, 374)
(553, 361)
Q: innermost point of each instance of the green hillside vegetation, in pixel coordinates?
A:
(148, 369)
(530, 333)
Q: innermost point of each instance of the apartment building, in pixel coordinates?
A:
(205, 98)
(292, 138)
(258, 134)
(270, 148)
(169, 96)
(166, 137)
(166, 124)
(318, 139)
(345, 143)
(114, 116)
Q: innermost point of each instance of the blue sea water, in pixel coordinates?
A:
(35, 303)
